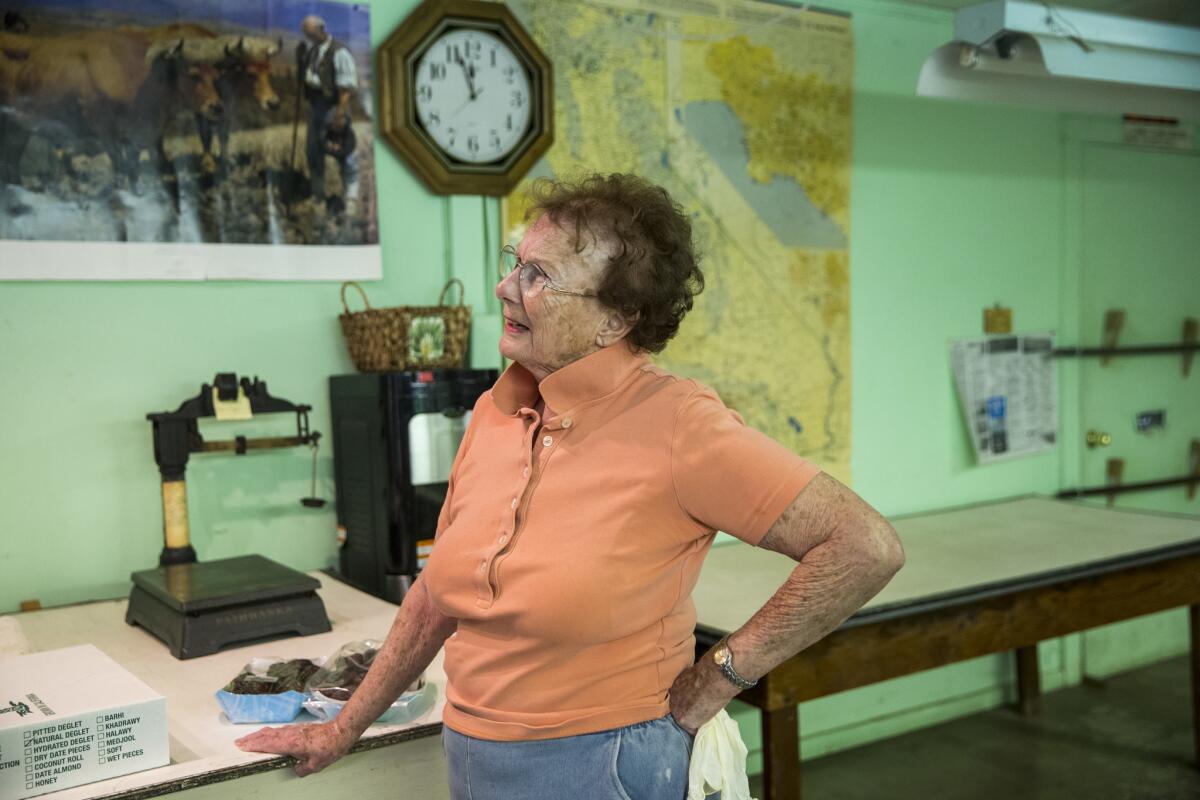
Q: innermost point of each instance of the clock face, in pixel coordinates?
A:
(473, 95)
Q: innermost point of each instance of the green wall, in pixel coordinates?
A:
(954, 207)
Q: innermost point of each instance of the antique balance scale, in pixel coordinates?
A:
(199, 608)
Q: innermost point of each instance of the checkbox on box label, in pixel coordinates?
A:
(28, 759)
(28, 751)
(29, 786)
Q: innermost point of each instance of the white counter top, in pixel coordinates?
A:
(201, 737)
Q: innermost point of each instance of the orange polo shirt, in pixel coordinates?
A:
(571, 540)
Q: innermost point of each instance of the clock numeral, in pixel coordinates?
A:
(508, 122)
(435, 118)
(424, 92)
(493, 56)
(437, 71)
(494, 140)
(452, 134)
(473, 144)
(453, 54)
(518, 99)
(474, 49)
(510, 75)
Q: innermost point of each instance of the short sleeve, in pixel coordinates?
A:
(730, 477)
(345, 72)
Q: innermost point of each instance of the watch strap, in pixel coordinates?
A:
(729, 672)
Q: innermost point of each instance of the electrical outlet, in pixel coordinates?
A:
(1150, 421)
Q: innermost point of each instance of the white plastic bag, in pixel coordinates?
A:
(718, 761)
(331, 687)
(410, 706)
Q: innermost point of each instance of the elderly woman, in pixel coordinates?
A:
(586, 492)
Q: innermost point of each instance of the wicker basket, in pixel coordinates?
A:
(406, 337)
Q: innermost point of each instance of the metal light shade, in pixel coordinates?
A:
(1032, 55)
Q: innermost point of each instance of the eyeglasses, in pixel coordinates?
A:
(532, 278)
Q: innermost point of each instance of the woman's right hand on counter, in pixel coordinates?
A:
(314, 746)
(416, 635)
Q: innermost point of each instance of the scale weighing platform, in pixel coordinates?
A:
(203, 607)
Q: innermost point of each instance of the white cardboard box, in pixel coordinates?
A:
(73, 716)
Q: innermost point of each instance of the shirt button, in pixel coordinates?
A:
(549, 440)
(514, 503)
(503, 540)
(567, 422)
(525, 472)
(483, 566)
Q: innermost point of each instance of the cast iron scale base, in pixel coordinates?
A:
(200, 608)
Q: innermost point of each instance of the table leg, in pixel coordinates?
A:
(1029, 681)
(1194, 620)
(781, 754)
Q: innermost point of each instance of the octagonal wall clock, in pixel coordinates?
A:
(465, 96)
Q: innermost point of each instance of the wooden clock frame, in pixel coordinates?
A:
(396, 64)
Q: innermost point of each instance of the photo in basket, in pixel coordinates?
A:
(171, 139)
(426, 338)
(406, 337)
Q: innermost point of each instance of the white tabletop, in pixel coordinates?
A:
(952, 551)
(201, 737)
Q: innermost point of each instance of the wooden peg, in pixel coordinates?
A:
(1191, 332)
(1113, 473)
(31, 605)
(1114, 320)
(1194, 469)
(997, 319)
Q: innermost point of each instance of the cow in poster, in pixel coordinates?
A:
(244, 64)
(114, 88)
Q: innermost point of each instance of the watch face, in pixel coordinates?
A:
(473, 95)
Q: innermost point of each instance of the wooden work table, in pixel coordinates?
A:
(203, 755)
(983, 579)
(989, 578)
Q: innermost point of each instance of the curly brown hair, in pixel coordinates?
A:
(653, 272)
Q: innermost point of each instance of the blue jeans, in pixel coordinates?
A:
(646, 761)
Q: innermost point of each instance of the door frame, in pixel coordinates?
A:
(1079, 134)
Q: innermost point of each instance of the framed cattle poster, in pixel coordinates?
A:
(186, 139)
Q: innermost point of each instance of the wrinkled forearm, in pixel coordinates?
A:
(417, 633)
(846, 553)
(832, 581)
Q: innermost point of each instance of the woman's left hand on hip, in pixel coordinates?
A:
(698, 694)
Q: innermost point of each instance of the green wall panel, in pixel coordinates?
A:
(954, 207)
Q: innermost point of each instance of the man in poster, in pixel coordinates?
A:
(330, 80)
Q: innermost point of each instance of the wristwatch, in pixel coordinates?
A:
(723, 657)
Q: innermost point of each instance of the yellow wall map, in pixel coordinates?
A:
(742, 111)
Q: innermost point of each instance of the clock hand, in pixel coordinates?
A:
(456, 111)
(471, 81)
(468, 73)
